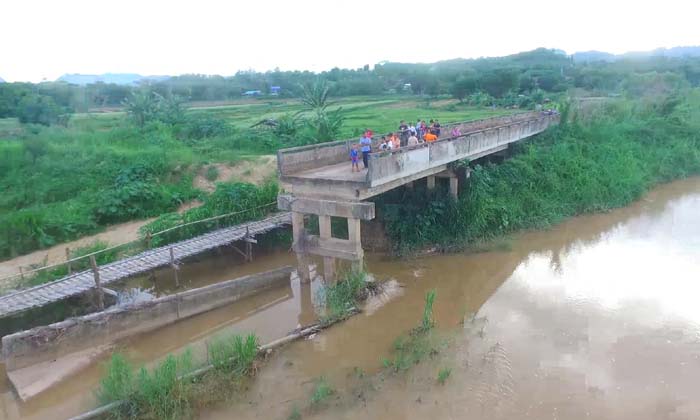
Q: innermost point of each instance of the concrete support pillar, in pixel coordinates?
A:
(409, 185)
(307, 315)
(299, 234)
(454, 187)
(324, 230)
(355, 237)
(431, 182)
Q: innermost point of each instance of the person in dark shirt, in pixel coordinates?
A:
(403, 133)
(436, 126)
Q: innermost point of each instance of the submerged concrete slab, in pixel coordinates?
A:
(33, 380)
(51, 342)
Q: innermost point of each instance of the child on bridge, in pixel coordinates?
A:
(355, 158)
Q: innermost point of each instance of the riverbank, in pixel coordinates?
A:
(604, 162)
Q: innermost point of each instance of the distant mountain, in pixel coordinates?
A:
(588, 56)
(117, 78)
(1, 80)
(677, 52)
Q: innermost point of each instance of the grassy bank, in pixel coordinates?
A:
(603, 162)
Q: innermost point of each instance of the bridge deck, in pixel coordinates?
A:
(324, 170)
(336, 172)
(83, 281)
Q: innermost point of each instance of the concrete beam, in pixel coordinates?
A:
(321, 207)
(334, 247)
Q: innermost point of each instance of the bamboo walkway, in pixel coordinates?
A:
(83, 281)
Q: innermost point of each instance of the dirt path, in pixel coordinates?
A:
(114, 235)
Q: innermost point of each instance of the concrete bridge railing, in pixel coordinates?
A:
(302, 158)
(386, 167)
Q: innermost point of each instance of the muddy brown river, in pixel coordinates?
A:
(596, 318)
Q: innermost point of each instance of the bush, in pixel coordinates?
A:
(197, 127)
(344, 294)
(157, 394)
(233, 355)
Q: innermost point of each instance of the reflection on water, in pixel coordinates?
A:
(593, 319)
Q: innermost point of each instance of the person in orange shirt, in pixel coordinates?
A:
(430, 137)
(396, 141)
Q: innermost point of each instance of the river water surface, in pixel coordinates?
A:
(596, 318)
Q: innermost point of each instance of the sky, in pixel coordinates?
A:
(45, 39)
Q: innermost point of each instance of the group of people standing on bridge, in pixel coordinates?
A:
(408, 135)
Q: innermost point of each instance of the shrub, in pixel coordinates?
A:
(157, 394)
(322, 390)
(233, 355)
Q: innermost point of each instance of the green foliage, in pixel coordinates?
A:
(198, 127)
(443, 374)
(295, 414)
(233, 355)
(155, 394)
(322, 391)
(37, 109)
(322, 124)
(245, 201)
(344, 294)
(212, 173)
(427, 321)
(419, 343)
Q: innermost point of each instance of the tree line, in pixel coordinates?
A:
(483, 81)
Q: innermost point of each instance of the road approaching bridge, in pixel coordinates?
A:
(317, 179)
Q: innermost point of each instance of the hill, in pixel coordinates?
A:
(675, 52)
(116, 78)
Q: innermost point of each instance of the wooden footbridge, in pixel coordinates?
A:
(84, 281)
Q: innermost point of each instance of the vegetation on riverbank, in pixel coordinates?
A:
(605, 161)
(419, 343)
(173, 388)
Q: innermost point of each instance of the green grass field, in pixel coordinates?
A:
(381, 114)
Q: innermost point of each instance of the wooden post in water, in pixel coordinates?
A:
(98, 284)
(70, 267)
(174, 267)
(21, 273)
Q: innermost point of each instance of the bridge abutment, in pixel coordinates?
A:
(325, 245)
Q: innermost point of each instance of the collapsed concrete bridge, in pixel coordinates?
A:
(317, 180)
